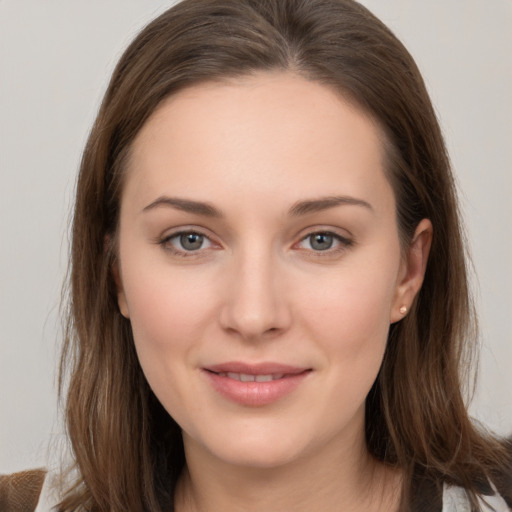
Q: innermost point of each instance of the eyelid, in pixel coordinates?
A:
(344, 241)
(342, 234)
(164, 241)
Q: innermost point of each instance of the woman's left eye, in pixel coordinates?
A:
(324, 241)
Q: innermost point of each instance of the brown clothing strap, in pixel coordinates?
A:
(19, 492)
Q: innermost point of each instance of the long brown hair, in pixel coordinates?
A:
(128, 450)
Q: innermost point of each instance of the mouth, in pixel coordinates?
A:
(255, 385)
(245, 377)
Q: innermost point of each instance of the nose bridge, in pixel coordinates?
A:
(256, 303)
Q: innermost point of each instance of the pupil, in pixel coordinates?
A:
(321, 241)
(191, 241)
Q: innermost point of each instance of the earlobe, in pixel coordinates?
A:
(412, 270)
(121, 297)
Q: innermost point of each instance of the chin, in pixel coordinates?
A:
(254, 448)
(258, 457)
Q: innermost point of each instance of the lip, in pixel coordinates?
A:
(286, 379)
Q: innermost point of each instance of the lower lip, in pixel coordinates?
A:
(255, 393)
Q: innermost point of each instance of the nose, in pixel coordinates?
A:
(256, 304)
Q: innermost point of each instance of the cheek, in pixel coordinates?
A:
(348, 314)
(169, 310)
(352, 306)
(169, 315)
(350, 323)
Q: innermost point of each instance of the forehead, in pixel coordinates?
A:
(264, 133)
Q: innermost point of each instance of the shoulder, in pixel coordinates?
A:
(21, 491)
(455, 500)
(35, 490)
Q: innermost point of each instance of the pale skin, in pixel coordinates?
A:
(257, 225)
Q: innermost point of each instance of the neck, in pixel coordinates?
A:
(347, 479)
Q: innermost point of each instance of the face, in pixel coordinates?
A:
(260, 266)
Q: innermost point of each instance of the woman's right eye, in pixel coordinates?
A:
(186, 242)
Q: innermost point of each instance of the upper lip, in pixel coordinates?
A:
(265, 368)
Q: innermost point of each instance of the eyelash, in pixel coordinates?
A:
(342, 242)
(166, 243)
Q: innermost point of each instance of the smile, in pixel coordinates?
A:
(255, 385)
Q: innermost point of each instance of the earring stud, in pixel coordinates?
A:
(403, 310)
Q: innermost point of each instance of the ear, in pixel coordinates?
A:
(412, 270)
(121, 297)
(116, 274)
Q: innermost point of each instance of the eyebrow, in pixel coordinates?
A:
(185, 205)
(298, 209)
(324, 203)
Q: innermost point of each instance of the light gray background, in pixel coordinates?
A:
(55, 60)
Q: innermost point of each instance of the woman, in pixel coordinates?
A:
(302, 355)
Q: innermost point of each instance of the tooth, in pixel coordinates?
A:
(245, 377)
(264, 378)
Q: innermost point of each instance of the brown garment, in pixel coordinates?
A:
(20, 492)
